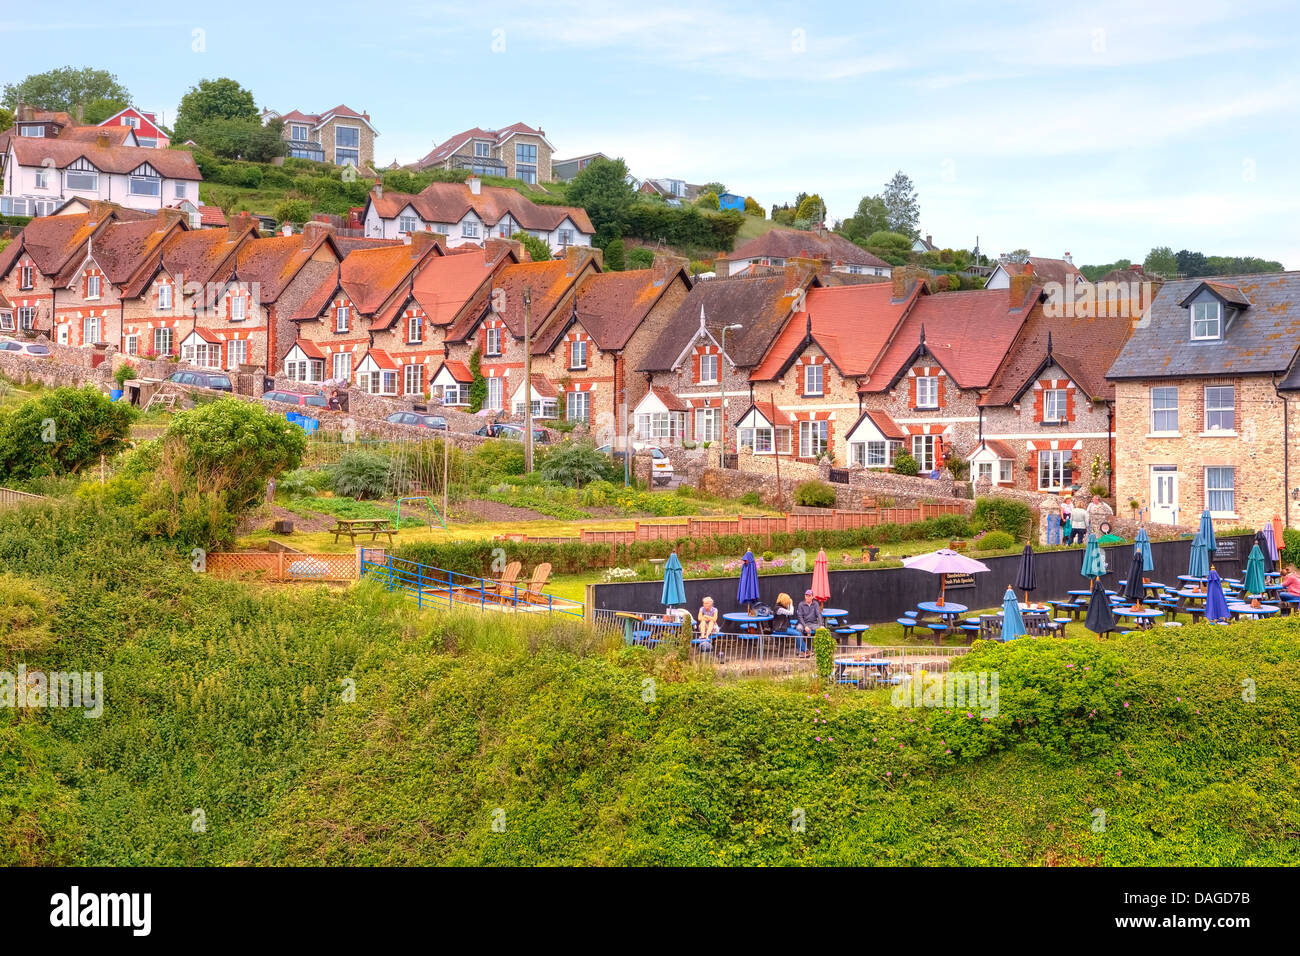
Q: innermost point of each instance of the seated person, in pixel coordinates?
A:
(807, 618)
(1291, 582)
(708, 618)
(784, 614)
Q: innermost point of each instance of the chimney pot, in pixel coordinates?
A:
(286, 229)
(475, 185)
(379, 189)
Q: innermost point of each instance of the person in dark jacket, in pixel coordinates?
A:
(807, 618)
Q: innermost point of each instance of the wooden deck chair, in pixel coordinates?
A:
(505, 585)
(541, 574)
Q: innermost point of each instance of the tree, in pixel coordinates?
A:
(101, 108)
(220, 99)
(716, 188)
(241, 139)
(574, 464)
(296, 211)
(536, 248)
(893, 247)
(615, 256)
(872, 216)
(638, 257)
(708, 200)
(61, 432)
(1017, 255)
(901, 204)
(65, 89)
(752, 208)
(1190, 264)
(812, 208)
(6, 119)
(603, 190)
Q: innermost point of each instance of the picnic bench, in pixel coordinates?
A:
(352, 527)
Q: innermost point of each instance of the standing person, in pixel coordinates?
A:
(1078, 525)
(807, 618)
(334, 400)
(1067, 530)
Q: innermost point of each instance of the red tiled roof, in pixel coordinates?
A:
(999, 448)
(789, 243)
(206, 335)
(371, 276)
(670, 401)
(612, 305)
(121, 248)
(274, 262)
(446, 284)
(170, 163)
(115, 135)
(381, 358)
(851, 324)
(199, 255)
(452, 145)
(309, 348)
(459, 371)
(772, 412)
(549, 283)
(212, 216)
(886, 425)
(449, 202)
(968, 333)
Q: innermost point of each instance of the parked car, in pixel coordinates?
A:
(300, 399)
(217, 380)
(661, 467)
(24, 348)
(515, 432)
(418, 419)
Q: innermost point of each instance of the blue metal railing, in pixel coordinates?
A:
(438, 588)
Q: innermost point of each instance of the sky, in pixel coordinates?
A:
(1101, 129)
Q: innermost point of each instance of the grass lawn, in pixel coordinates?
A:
(754, 227)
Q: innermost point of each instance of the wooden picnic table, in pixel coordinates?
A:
(362, 526)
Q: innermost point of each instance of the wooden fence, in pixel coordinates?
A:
(284, 566)
(759, 527)
(10, 498)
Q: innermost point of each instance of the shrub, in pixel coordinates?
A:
(1003, 514)
(814, 494)
(905, 464)
(597, 494)
(824, 648)
(61, 432)
(996, 541)
(123, 374)
(750, 499)
(361, 475)
(574, 464)
(640, 257)
(304, 481)
(296, 211)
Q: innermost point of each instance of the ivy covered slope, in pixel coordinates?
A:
(230, 699)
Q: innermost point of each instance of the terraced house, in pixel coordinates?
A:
(1205, 402)
(470, 212)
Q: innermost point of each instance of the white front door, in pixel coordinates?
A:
(1164, 494)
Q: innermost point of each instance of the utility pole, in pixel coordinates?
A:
(722, 382)
(446, 476)
(528, 380)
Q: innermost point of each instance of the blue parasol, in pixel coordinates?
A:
(1207, 532)
(1143, 541)
(1216, 607)
(1094, 565)
(1013, 625)
(1198, 562)
(674, 590)
(747, 591)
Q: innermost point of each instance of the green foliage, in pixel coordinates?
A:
(893, 247)
(1290, 553)
(61, 432)
(872, 216)
(574, 464)
(615, 256)
(824, 650)
(751, 499)
(901, 203)
(361, 475)
(24, 618)
(296, 211)
(754, 208)
(478, 386)
(684, 227)
(65, 88)
(1161, 261)
(536, 248)
(905, 464)
(707, 200)
(813, 209)
(304, 482)
(6, 119)
(1003, 514)
(996, 541)
(101, 108)
(601, 188)
(814, 494)
(639, 257)
(241, 138)
(124, 374)
(220, 99)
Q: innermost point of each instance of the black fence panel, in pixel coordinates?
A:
(875, 595)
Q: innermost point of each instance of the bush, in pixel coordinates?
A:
(361, 475)
(750, 499)
(123, 374)
(1003, 514)
(574, 464)
(905, 464)
(640, 257)
(304, 481)
(1290, 553)
(61, 432)
(996, 541)
(296, 211)
(824, 648)
(814, 494)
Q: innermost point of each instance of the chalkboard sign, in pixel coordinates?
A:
(1227, 551)
(951, 581)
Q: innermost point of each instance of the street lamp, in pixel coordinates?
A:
(722, 381)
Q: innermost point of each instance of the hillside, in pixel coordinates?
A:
(229, 698)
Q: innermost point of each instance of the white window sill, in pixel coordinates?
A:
(1219, 433)
(1224, 515)
(1164, 435)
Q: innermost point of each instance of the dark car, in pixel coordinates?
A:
(300, 399)
(215, 380)
(514, 432)
(418, 419)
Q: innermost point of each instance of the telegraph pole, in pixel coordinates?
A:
(528, 380)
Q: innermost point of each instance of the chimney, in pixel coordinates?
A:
(379, 190)
(899, 277)
(102, 141)
(421, 242)
(167, 215)
(24, 112)
(1067, 257)
(664, 265)
(577, 257)
(929, 239)
(241, 223)
(905, 278)
(315, 231)
(286, 229)
(1021, 283)
(100, 210)
(475, 185)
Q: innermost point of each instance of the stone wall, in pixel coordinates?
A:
(866, 489)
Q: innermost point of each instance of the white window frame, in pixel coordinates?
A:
(341, 366)
(27, 277)
(1164, 393)
(237, 311)
(295, 129)
(27, 318)
(813, 380)
(164, 339)
(1055, 405)
(89, 323)
(416, 380)
(814, 438)
(342, 318)
(870, 454)
(578, 354)
(1053, 475)
(984, 469)
(92, 287)
(495, 394)
(930, 397)
(164, 297)
(154, 184)
(408, 223)
(91, 176)
(492, 343)
(415, 329)
(7, 321)
(923, 452)
(43, 178)
(712, 361)
(236, 354)
(1220, 489)
(708, 424)
(1219, 409)
(132, 344)
(1210, 318)
(759, 439)
(577, 407)
(1006, 471)
(482, 149)
(469, 229)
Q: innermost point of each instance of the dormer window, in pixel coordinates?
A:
(1207, 320)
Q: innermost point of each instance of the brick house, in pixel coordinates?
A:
(585, 355)
(497, 334)
(368, 289)
(834, 253)
(1203, 395)
(929, 378)
(516, 152)
(339, 136)
(693, 389)
(815, 368)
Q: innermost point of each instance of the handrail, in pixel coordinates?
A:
(442, 588)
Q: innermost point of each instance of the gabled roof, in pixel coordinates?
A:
(770, 411)
(850, 324)
(1230, 294)
(308, 348)
(761, 306)
(446, 284)
(886, 426)
(1044, 270)
(453, 144)
(380, 358)
(612, 305)
(274, 262)
(170, 163)
(123, 247)
(450, 202)
(320, 119)
(197, 256)
(1261, 339)
(210, 215)
(999, 448)
(371, 277)
(1083, 347)
(458, 371)
(58, 243)
(549, 282)
(669, 400)
(789, 243)
(967, 333)
(115, 135)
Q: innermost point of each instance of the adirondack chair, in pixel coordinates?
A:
(541, 574)
(505, 585)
